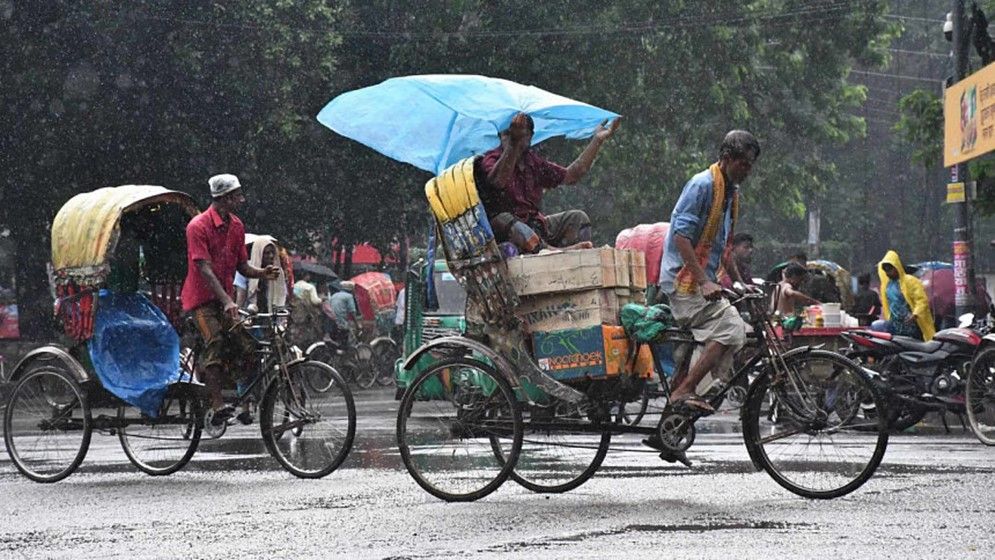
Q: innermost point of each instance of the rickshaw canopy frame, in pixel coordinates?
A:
(86, 229)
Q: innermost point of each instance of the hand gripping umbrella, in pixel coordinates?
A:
(433, 121)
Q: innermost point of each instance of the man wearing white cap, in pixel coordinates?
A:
(215, 251)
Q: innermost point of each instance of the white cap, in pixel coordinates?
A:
(348, 286)
(223, 184)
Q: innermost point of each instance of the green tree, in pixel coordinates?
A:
(99, 94)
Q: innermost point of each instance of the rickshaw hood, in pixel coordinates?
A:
(86, 228)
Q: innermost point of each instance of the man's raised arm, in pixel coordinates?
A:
(579, 168)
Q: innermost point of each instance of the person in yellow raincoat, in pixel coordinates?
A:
(905, 307)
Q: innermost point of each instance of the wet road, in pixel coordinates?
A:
(934, 496)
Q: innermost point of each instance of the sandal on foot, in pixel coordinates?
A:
(694, 403)
(221, 416)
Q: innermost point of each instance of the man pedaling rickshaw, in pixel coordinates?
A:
(215, 251)
(701, 228)
(516, 177)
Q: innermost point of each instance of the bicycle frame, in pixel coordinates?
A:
(272, 350)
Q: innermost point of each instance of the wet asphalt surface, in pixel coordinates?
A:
(933, 497)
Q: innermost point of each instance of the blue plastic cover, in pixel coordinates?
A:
(135, 350)
(433, 121)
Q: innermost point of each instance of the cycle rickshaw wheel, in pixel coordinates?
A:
(558, 453)
(365, 365)
(325, 355)
(309, 432)
(794, 428)
(449, 421)
(47, 424)
(163, 445)
(980, 394)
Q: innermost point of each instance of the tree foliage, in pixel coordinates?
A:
(170, 92)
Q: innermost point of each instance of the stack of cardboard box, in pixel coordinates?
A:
(570, 302)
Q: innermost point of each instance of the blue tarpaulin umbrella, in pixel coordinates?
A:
(434, 121)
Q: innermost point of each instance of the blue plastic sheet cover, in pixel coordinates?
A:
(135, 350)
(433, 121)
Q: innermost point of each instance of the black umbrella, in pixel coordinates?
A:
(301, 267)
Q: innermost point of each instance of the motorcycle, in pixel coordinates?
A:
(919, 377)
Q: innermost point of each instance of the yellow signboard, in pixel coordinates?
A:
(969, 117)
(955, 193)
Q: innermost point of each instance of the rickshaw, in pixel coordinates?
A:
(119, 259)
(465, 425)
(376, 301)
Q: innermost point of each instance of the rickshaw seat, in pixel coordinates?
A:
(454, 201)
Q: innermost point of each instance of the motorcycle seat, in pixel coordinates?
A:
(913, 345)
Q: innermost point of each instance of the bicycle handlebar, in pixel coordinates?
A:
(247, 317)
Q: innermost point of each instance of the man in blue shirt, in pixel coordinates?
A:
(701, 227)
(346, 315)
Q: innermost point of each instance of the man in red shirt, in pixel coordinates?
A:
(215, 250)
(516, 177)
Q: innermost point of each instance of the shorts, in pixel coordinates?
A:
(710, 321)
(232, 349)
(568, 228)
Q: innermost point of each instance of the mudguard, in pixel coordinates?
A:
(382, 340)
(314, 346)
(462, 342)
(47, 353)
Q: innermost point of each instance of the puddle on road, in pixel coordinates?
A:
(718, 525)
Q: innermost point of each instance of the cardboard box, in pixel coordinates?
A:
(569, 271)
(589, 353)
(637, 269)
(572, 310)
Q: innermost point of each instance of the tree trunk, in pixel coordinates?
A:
(34, 300)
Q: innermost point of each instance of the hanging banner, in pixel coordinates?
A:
(961, 253)
(969, 117)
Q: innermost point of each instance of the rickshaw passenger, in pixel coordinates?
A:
(516, 178)
(306, 318)
(215, 250)
(701, 226)
(255, 295)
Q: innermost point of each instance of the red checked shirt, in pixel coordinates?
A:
(523, 195)
(222, 243)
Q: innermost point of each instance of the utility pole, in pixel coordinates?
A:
(963, 251)
(814, 232)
